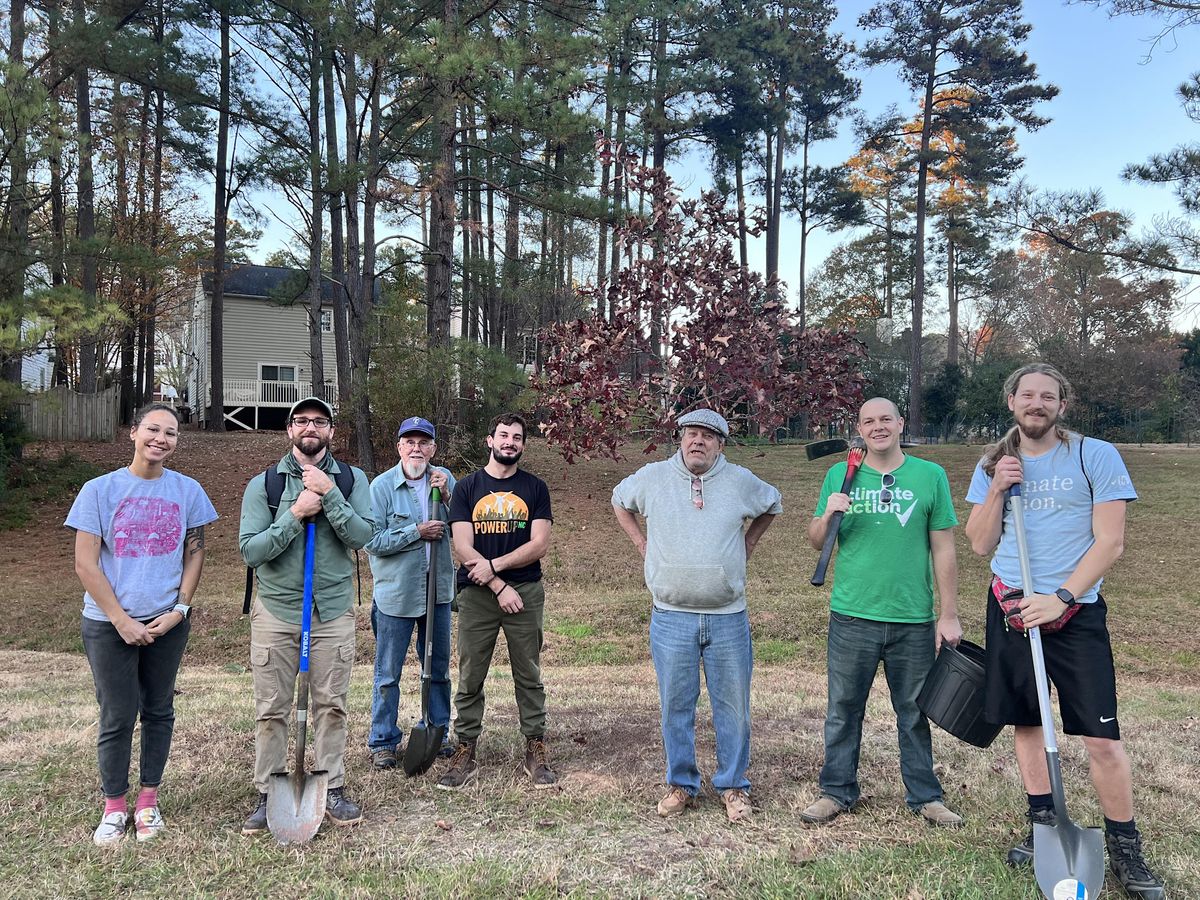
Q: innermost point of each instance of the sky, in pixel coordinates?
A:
(1118, 104)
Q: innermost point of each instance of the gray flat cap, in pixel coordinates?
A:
(705, 418)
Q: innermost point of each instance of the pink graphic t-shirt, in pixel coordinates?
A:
(141, 524)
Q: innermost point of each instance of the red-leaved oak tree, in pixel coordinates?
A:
(689, 327)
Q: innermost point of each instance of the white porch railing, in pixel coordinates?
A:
(254, 392)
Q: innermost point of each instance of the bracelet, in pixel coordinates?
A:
(492, 565)
(501, 591)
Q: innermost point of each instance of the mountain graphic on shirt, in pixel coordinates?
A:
(500, 512)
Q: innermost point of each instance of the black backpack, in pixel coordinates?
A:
(273, 481)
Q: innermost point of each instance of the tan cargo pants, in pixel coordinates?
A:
(274, 660)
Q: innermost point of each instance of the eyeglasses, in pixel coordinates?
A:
(409, 443)
(305, 421)
(697, 492)
(886, 483)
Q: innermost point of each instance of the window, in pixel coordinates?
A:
(327, 321)
(277, 373)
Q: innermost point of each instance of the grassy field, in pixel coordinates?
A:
(598, 835)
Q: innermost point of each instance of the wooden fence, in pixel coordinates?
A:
(60, 414)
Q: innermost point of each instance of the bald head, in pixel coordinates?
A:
(877, 406)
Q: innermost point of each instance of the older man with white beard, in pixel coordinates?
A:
(406, 536)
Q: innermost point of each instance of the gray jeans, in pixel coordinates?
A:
(132, 681)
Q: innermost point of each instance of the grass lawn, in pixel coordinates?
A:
(598, 835)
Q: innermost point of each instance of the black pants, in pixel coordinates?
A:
(132, 680)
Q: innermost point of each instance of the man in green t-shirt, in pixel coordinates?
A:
(897, 516)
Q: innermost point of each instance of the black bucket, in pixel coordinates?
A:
(952, 697)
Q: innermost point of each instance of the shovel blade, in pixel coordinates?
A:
(1068, 861)
(296, 805)
(424, 743)
(817, 449)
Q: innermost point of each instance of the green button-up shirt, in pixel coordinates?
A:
(275, 547)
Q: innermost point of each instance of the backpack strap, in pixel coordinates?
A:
(273, 483)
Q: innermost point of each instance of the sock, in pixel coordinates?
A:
(116, 804)
(147, 797)
(1129, 829)
(1039, 802)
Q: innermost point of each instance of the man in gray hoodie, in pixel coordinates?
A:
(695, 549)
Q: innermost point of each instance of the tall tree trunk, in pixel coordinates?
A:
(468, 329)
(802, 306)
(341, 337)
(58, 200)
(215, 420)
(492, 320)
(316, 349)
(740, 181)
(952, 298)
(918, 299)
(129, 303)
(86, 214)
(605, 172)
(14, 255)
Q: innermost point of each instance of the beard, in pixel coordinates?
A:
(506, 458)
(1035, 427)
(414, 470)
(310, 445)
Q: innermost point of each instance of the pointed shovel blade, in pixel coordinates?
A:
(424, 744)
(1068, 861)
(296, 805)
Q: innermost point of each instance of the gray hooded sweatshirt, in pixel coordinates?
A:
(696, 558)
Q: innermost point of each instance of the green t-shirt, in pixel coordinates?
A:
(884, 571)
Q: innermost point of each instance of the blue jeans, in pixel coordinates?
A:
(855, 649)
(680, 642)
(392, 635)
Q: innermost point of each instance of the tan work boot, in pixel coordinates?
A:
(463, 768)
(936, 813)
(737, 805)
(537, 766)
(675, 801)
(825, 809)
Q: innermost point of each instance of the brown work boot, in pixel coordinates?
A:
(823, 809)
(937, 813)
(384, 757)
(675, 802)
(463, 768)
(537, 767)
(737, 805)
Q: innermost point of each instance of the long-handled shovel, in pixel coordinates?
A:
(296, 802)
(425, 738)
(1068, 860)
(858, 450)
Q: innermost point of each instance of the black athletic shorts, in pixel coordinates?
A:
(1079, 663)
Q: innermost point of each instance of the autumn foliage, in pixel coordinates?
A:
(689, 327)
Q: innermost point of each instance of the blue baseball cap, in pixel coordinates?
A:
(415, 424)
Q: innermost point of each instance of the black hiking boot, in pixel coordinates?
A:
(340, 809)
(463, 768)
(537, 765)
(256, 822)
(1022, 854)
(1126, 861)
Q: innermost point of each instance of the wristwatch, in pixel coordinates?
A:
(1065, 596)
(186, 611)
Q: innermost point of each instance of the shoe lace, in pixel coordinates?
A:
(461, 757)
(538, 750)
(1130, 851)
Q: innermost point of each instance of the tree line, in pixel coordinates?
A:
(473, 160)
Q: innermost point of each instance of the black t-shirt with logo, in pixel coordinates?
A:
(500, 511)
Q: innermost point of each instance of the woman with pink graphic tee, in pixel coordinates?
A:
(139, 550)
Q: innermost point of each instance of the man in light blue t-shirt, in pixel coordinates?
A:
(1075, 492)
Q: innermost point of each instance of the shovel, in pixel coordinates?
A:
(1068, 860)
(424, 738)
(296, 802)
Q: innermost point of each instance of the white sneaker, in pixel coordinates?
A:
(148, 823)
(111, 829)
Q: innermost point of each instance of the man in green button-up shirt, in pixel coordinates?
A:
(273, 544)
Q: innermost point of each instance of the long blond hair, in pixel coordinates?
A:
(1010, 444)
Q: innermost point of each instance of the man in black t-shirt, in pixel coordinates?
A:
(500, 525)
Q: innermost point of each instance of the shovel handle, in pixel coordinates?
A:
(853, 460)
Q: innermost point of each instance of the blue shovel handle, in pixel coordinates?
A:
(310, 553)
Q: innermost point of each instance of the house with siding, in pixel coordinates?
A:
(266, 357)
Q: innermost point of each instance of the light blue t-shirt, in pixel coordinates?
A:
(142, 525)
(1058, 510)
